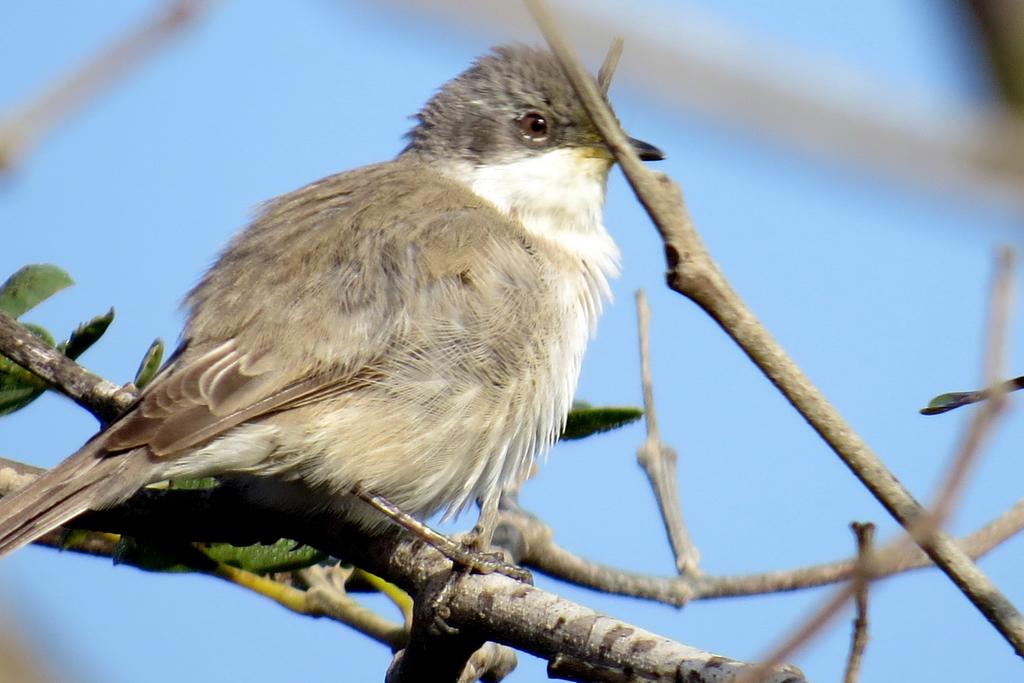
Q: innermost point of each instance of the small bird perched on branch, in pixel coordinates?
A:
(413, 328)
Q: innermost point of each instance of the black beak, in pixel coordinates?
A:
(646, 151)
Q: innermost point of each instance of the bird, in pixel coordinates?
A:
(413, 328)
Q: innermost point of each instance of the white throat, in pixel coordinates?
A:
(557, 196)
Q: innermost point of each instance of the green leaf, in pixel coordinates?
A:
(150, 364)
(585, 420)
(86, 334)
(176, 557)
(30, 286)
(39, 331)
(160, 556)
(192, 484)
(18, 386)
(281, 556)
(946, 402)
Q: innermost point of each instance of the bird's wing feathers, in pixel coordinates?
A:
(205, 395)
(365, 261)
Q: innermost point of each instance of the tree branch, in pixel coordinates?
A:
(659, 460)
(693, 273)
(489, 607)
(101, 398)
(535, 542)
(483, 608)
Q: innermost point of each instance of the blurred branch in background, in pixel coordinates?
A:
(1000, 26)
(692, 62)
(20, 129)
(18, 661)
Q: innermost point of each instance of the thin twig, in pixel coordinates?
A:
(694, 274)
(659, 460)
(323, 598)
(801, 636)
(21, 129)
(814, 625)
(927, 526)
(396, 595)
(865, 534)
(539, 551)
(985, 419)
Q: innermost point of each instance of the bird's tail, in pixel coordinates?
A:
(90, 479)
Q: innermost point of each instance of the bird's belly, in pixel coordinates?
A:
(439, 447)
(439, 435)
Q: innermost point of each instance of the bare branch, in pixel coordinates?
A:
(492, 607)
(539, 550)
(489, 607)
(802, 635)
(829, 610)
(659, 460)
(571, 628)
(865, 534)
(322, 598)
(535, 541)
(694, 274)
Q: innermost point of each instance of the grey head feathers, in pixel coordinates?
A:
(510, 104)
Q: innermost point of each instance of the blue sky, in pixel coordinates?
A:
(878, 290)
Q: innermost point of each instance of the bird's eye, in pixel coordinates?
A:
(533, 126)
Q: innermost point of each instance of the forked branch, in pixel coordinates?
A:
(693, 273)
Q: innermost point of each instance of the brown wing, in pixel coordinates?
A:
(204, 394)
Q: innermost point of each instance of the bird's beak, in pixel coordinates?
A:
(646, 151)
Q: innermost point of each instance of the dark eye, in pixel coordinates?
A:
(533, 126)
